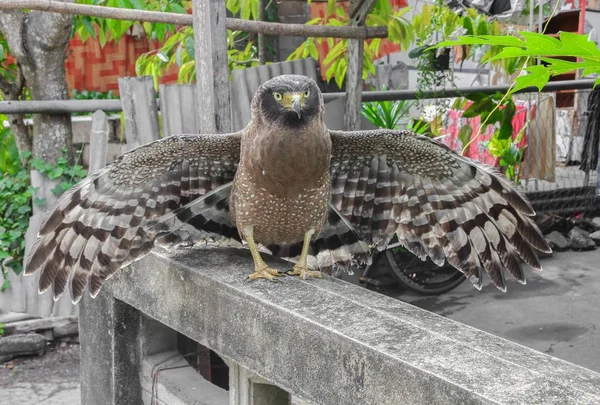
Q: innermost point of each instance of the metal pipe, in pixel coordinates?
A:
(413, 94)
(77, 106)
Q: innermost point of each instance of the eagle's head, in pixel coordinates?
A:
(289, 101)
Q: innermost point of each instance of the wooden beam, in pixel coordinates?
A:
(65, 325)
(262, 43)
(256, 27)
(212, 73)
(358, 13)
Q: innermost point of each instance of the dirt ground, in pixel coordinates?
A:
(52, 379)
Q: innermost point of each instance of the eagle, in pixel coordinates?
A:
(289, 186)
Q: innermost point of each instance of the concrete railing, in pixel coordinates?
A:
(323, 341)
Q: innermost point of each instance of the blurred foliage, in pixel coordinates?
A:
(178, 49)
(387, 114)
(549, 50)
(17, 196)
(399, 31)
(499, 111)
(105, 29)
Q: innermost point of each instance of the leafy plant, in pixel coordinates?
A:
(399, 30)
(496, 110)
(179, 50)
(93, 95)
(105, 29)
(65, 174)
(17, 196)
(550, 50)
(15, 205)
(419, 127)
(9, 155)
(386, 114)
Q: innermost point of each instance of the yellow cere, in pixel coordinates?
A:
(288, 99)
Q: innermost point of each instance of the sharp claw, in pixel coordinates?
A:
(304, 273)
(264, 272)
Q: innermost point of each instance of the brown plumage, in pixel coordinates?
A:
(280, 180)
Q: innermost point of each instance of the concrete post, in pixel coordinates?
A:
(110, 358)
(245, 388)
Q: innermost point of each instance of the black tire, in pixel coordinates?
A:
(422, 277)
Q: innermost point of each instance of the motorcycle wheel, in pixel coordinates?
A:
(422, 277)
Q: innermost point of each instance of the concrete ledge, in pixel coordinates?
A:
(330, 342)
(179, 383)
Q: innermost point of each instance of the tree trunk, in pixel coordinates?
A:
(39, 42)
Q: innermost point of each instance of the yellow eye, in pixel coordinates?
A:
(277, 96)
(306, 93)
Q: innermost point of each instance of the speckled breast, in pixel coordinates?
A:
(275, 219)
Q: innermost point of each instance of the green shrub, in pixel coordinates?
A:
(17, 196)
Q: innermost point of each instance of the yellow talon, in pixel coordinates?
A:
(261, 270)
(300, 268)
(304, 273)
(264, 272)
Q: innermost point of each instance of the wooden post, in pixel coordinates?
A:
(262, 43)
(98, 141)
(140, 110)
(212, 74)
(358, 13)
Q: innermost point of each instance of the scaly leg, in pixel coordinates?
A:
(261, 270)
(300, 268)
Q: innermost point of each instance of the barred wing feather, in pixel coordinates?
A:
(108, 220)
(438, 203)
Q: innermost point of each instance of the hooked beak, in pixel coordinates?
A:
(296, 106)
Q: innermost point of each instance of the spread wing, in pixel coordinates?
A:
(109, 219)
(438, 203)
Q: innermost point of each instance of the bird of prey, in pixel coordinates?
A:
(287, 185)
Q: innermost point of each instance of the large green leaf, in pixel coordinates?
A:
(548, 49)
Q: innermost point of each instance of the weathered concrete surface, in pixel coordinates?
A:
(66, 393)
(557, 312)
(330, 342)
(52, 379)
(110, 360)
(177, 383)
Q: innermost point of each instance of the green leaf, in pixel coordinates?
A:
(506, 127)
(537, 76)
(87, 24)
(478, 108)
(476, 96)
(162, 56)
(330, 7)
(312, 50)
(340, 72)
(177, 8)
(334, 53)
(189, 47)
(137, 4)
(497, 146)
(464, 134)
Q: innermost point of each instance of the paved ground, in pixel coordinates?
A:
(49, 380)
(556, 313)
